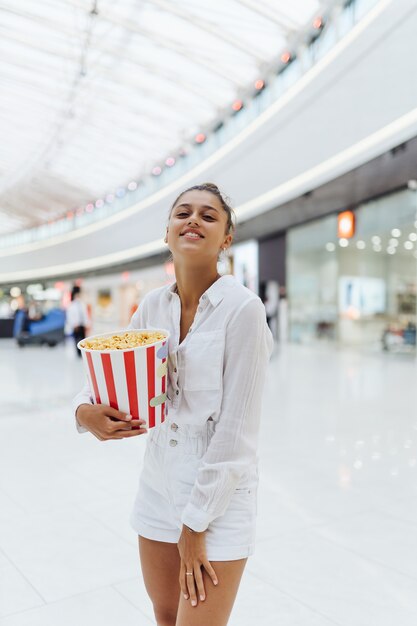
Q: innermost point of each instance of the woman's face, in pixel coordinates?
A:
(197, 227)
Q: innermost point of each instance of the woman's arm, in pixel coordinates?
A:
(233, 447)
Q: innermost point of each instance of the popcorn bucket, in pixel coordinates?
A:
(132, 380)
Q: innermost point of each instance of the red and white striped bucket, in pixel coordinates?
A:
(132, 380)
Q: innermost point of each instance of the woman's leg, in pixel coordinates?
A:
(216, 608)
(160, 562)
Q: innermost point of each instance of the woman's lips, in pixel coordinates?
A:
(193, 236)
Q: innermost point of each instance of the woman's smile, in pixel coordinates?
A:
(190, 235)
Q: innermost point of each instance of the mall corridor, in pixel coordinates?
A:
(234, 183)
(337, 512)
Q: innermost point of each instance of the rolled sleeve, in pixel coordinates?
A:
(233, 447)
(83, 397)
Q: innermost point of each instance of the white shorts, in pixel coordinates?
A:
(172, 457)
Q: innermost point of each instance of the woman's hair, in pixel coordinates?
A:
(224, 201)
(75, 291)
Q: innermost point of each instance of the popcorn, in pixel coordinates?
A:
(127, 371)
(122, 341)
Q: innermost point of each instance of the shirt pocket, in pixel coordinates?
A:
(203, 361)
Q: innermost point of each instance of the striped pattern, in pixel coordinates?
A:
(128, 380)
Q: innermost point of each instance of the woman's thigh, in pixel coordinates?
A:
(160, 563)
(215, 610)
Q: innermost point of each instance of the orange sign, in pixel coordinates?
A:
(346, 224)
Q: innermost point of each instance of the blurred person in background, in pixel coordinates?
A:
(77, 317)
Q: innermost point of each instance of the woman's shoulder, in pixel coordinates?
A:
(237, 295)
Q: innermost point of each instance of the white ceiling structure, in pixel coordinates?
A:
(94, 93)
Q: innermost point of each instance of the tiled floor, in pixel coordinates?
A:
(337, 523)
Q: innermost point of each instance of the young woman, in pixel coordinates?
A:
(196, 504)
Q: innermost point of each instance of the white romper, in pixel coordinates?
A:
(201, 465)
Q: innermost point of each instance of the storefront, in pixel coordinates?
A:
(359, 290)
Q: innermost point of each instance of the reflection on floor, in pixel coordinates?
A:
(337, 512)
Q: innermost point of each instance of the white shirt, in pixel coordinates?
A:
(77, 314)
(218, 371)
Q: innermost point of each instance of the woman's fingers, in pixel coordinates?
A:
(200, 584)
(133, 424)
(131, 433)
(191, 586)
(118, 415)
(210, 571)
(183, 582)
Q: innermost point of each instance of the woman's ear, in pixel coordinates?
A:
(227, 242)
(166, 236)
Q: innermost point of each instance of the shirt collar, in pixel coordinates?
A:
(215, 293)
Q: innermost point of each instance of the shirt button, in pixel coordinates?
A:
(175, 369)
(174, 427)
(173, 442)
(177, 392)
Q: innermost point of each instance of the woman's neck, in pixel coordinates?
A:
(192, 283)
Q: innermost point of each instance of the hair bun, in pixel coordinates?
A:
(211, 186)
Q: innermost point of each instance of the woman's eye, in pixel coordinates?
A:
(209, 217)
(182, 214)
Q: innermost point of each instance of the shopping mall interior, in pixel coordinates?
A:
(304, 114)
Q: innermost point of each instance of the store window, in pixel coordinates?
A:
(362, 290)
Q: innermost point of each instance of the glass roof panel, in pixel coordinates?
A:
(96, 92)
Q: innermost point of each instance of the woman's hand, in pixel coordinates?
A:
(105, 423)
(192, 549)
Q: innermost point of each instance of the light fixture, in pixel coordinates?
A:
(330, 247)
(237, 105)
(377, 248)
(170, 161)
(259, 84)
(343, 242)
(396, 232)
(346, 224)
(318, 22)
(79, 211)
(408, 245)
(361, 245)
(286, 56)
(132, 186)
(393, 243)
(200, 138)
(110, 198)
(89, 207)
(99, 203)
(375, 239)
(15, 292)
(412, 236)
(391, 250)
(157, 171)
(121, 192)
